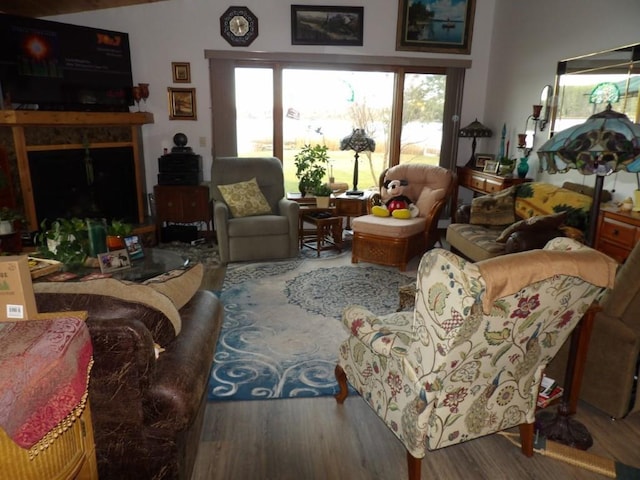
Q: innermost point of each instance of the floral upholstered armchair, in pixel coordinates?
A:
(468, 360)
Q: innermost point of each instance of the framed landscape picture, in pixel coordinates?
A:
(435, 26)
(319, 25)
(181, 72)
(182, 103)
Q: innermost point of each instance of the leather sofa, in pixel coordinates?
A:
(148, 385)
(521, 218)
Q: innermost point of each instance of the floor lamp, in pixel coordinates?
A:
(606, 142)
(358, 141)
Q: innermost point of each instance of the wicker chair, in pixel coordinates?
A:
(394, 242)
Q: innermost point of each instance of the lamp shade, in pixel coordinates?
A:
(358, 141)
(476, 130)
(606, 142)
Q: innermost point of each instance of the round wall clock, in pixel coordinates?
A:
(239, 26)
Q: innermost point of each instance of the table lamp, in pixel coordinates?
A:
(358, 141)
(474, 130)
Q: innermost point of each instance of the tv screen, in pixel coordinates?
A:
(49, 65)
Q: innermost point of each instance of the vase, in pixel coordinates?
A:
(322, 202)
(523, 167)
(97, 231)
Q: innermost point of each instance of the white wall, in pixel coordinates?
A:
(529, 39)
(181, 30)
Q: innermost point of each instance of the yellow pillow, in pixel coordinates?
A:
(245, 199)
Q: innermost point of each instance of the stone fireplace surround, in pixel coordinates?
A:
(23, 132)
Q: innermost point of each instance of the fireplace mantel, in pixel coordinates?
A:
(46, 131)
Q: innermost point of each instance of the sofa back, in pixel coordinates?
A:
(538, 198)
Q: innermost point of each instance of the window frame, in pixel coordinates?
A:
(222, 64)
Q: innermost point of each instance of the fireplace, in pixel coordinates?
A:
(77, 183)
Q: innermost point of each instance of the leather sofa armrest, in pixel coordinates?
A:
(463, 214)
(528, 240)
(181, 375)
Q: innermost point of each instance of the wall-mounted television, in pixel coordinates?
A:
(47, 65)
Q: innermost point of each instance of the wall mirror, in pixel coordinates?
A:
(586, 84)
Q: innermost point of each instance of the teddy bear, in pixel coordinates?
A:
(396, 203)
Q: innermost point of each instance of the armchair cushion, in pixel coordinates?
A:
(245, 199)
(494, 209)
(539, 222)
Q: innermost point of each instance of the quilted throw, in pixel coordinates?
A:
(449, 372)
(44, 373)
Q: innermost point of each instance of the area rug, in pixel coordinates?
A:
(282, 325)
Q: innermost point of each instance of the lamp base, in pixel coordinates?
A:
(355, 193)
(563, 429)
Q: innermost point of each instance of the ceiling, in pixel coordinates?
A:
(41, 8)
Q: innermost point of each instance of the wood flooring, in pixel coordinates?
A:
(317, 439)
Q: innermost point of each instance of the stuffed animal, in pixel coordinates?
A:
(396, 203)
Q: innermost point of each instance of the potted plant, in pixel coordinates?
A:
(311, 167)
(116, 233)
(10, 220)
(323, 195)
(65, 240)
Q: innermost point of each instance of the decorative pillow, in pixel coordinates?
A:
(494, 209)
(245, 199)
(541, 222)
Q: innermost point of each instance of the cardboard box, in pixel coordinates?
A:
(17, 300)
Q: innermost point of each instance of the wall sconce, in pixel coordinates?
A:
(522, 137)
(546, 98)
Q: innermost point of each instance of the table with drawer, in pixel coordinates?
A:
(618, 232)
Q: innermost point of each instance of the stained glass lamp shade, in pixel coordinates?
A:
(474, 130)
(605, 143)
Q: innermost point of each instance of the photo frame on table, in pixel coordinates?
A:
(114, 260)
(482, 158)
(134, 247)
(491, 166)
(434, 26)
(181, 72)
(182, 104)
(321, 25)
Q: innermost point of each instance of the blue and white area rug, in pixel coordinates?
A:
(282, 325)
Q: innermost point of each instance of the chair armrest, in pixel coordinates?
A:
(182, 370)
(529, 240)
(374, 331)
(463, 214)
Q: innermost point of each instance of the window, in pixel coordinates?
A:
(277, 103)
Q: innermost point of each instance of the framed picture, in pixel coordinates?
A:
(114, 260)
(134, 247)
(435, 26)
(482, 159)
(182, 103)
(491, 166)
(181, 72)
(316, 25)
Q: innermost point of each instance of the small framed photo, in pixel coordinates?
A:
(482, 159)
(491, 166)
(181, 72)
(438, 27)
(182, 104)
(114, 260)
(320, 25)
(134, 247)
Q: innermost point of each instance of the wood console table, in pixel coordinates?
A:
(483, 182)
(618, 232)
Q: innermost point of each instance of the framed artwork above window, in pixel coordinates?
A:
(314, 25)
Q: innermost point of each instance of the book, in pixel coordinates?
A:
(545, 400)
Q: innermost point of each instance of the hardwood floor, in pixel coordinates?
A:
(315, 438)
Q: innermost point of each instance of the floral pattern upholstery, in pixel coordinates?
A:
(449, 372)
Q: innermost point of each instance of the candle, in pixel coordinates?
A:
(97, 231)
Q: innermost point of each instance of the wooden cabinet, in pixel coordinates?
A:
(183, 204)
(482, 182)
(618, 232)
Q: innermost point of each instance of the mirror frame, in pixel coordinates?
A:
(622, 60)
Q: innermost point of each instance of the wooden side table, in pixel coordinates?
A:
(483, 182)
(352, 206)
(327, 231)
(183, 204)
(618, 232)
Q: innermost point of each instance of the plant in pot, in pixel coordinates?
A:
(65, 240)
(323, 195)
(10, 220)
(116, 233)
(311, 167)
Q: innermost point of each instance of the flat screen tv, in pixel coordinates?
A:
(47, 65)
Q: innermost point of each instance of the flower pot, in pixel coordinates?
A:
(115, 242)
(6, 227)
(323, 202)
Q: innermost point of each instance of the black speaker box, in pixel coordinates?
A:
(179, 163)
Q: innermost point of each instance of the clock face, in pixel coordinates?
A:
(239, 26)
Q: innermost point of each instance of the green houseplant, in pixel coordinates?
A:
(10, 220)
(311, 167)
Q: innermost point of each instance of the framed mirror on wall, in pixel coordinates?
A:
(586, 84)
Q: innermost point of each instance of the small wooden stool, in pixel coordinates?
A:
(327, 235)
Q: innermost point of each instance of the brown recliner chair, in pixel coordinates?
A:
(612, 366)
(147, 407)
